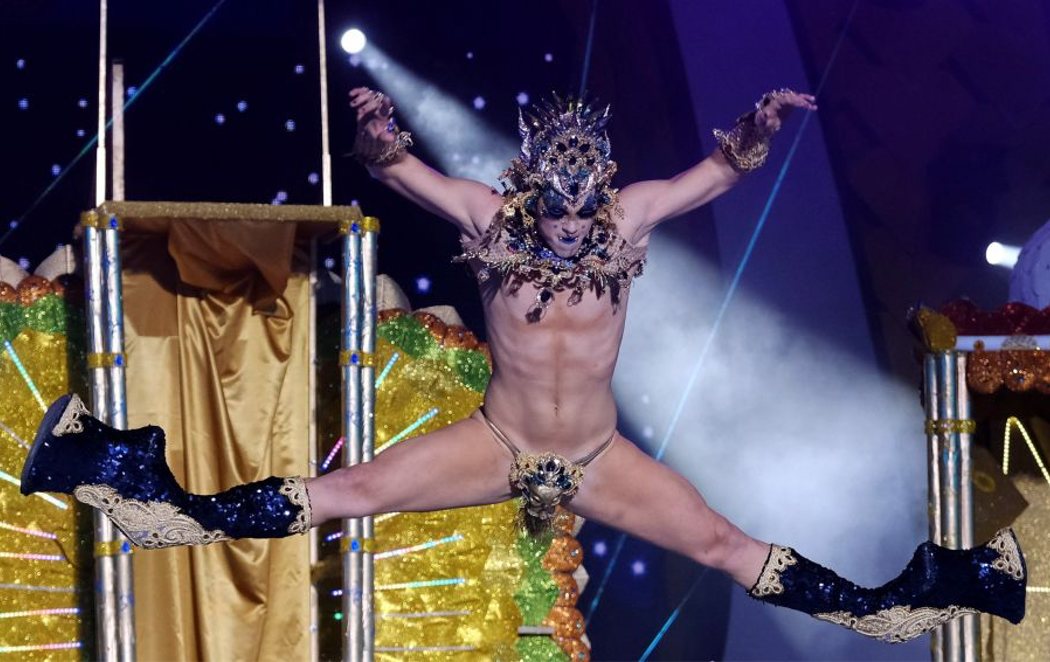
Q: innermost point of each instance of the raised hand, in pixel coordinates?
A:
(375, 114)
(775, 107)
(378, 142)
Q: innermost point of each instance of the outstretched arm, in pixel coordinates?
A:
(649, 203)
(467, 204)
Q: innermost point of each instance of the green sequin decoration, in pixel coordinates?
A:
(411, 337)
(11, 320)
(538, 592)
(540, 649)
(49, 314)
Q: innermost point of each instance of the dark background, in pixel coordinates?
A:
(934, 117)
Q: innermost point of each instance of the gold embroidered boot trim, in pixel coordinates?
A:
(294, 488)
(149, 524)
(896, 624)
(769, 580)
(1009, 560)
(70, 423)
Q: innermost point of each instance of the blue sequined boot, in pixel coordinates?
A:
(124, 474)
(937, 585)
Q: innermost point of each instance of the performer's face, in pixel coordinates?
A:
(563, 226)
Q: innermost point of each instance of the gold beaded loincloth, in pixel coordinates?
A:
(543, 480)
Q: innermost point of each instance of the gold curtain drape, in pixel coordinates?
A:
(217, 339)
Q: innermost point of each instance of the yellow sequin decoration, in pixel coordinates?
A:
(35, 585)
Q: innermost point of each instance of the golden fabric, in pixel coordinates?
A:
(219, 359)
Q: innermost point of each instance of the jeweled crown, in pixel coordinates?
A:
(564, 145)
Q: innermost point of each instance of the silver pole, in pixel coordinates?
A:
(118, 410)
(106, 612)
(946, 370)
(933, 485)
(368, 348)
(969, 624)
(100, 145)
(105, 566)
(326, 156)
(118, 130)
(353, 529)
(326, 200)
(116, 390)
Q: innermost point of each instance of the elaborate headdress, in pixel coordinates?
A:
(564, 146)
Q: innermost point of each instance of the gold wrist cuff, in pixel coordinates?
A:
(745, 146)
(371, 151)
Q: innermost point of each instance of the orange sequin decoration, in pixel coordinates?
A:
(32, 289)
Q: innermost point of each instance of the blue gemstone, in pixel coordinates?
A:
(355, 228)
(113, 222)
(355, 359)
(355, 546)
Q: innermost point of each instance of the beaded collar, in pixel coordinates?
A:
(511, 249)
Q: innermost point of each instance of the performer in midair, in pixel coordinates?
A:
(554, 255)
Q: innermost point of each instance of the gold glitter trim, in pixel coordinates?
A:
(129, 212)
(104, 359)
(294, 488)
(1009, 560)
(769, 580)
(946, 426)
(149, 524)
(370, 224)
(366, 545)
(896, 624)
(357, 226)
(937, 331)
(111, 548)
(364, 359)
(70, 423)
(93, 219)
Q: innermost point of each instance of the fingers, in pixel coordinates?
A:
(788, 99)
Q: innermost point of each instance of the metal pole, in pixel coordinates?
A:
(370, 225)
(933, 493)
(353, 529)
(116, 394)
(118, 418)
(948, 377)
(326, 156)
(969, 624)
(326, 200)
(118, 130)
(100, 145)
(105, 565)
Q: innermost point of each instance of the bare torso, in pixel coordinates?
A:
(551, 386)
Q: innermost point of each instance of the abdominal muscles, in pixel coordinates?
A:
(551, 382)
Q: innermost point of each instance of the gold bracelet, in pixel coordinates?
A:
(745, 146)
(371, 151)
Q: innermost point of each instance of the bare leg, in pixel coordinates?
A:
(628, 490)
(458, 465)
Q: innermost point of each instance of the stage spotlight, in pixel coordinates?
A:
(422, 285)
(353, 41)
(1001, 255)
